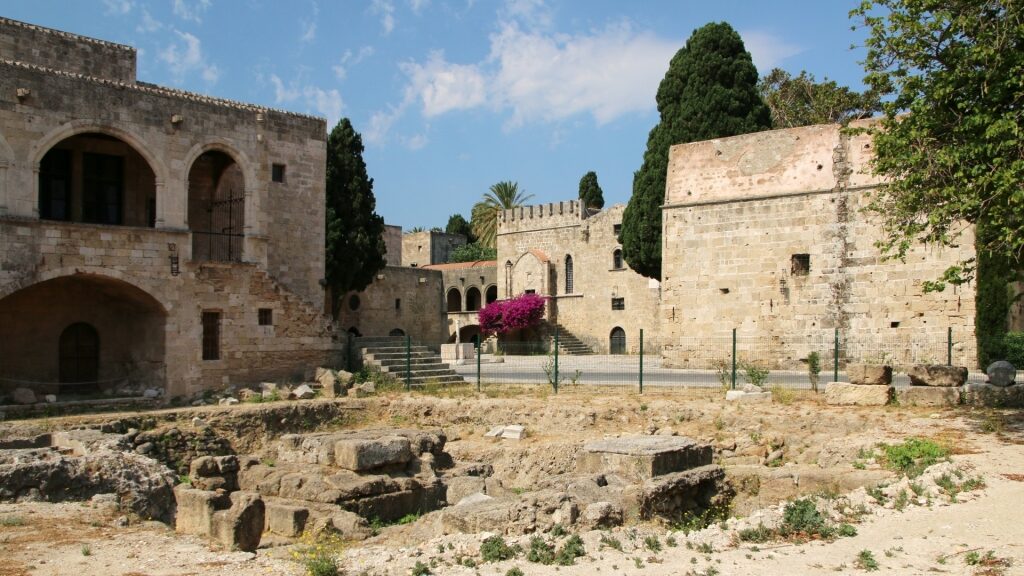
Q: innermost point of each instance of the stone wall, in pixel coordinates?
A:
(64, 51)
(425, 248)
(767, 233)
(393, 243)
(399, 299)
(533, 245)
(472, 285)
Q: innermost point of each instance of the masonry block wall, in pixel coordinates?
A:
(603, 294)
(400, 302)
(124, 227)
(767, 233)
(425, 248)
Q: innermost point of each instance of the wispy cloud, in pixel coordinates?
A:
(309, 26)
(415, 142)
(385, 9)
(118, 6)
(442, 86)
(418, 5)
(186, 57)
(768, 50)
(349, 59)
(533, 14)
(148, 24)
(191, 9)
(326, 102)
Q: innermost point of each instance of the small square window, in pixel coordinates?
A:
(800, 264)
(618, 303)
(398, 303)
(266, 316)
(277, 172)
(531, 291)
(617, 230)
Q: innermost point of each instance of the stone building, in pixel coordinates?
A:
(430, 247)
(151, 237)
(767, 233)
(393, 245)
(468, 287)
(401, 301)
(573, 256)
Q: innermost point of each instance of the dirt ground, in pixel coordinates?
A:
(819, 448)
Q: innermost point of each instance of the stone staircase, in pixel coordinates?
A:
(568, 343)
(388, 355)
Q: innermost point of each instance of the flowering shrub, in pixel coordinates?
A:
(502, 316)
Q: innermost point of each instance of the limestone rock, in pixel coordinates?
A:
(363, 390)
(474, 498)
(360, 455)
(937, 375)
(246, 395)
(928, 396)
(979, 394)
(462, 486)
(748, 397)
(269, 389)
(494, 432)
(1001, 373)
(639, 458)
(514, 432)
(229, 401)
(23, 396)
(304, 392)
(344, 379)
(328, 382)
(241, 526)
(151, 393)
(286, 520)
(602, 515)
(846, 394)
(198, 422)
(869, 374)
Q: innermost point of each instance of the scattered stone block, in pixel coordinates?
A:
(869, 374)
(846, 394)
(928, 396)
(198, 422)
(344, 379)
(246, 395)
(514, 432)
(151, 393)
(240, 527)
(23, 396)
(602, 515)
(51, 398)
(640, 458)
(363, 390)
(229, 401)
(989, 395)
(474, 498)
(286, 520)
(268, 389)
(360, 455)
(462, 486)
(1001, 373)
(748, 397)
(195, 509)
(937, 375)
(495, 432)
(304, 392)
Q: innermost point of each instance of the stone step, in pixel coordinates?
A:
(397, 350)
(378, 356)
(441, 370)
(424, 362)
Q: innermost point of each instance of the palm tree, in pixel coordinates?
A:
(484, 220)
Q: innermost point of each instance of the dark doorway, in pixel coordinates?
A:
(618, 341)
(79, 357)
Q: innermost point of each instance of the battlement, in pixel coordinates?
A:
(64, 51)
(541, 216)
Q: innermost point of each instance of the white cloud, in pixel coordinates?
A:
(118, 6)
(418, 5)
(531, 13)
(187, 57)
(327, 103)
(386, 10)
(309, 26)
(443, 87)
(380, 124)
(768, 51)
(283, 94)
(191, 9)
(148, 23)
(349, 59)
(415, 142)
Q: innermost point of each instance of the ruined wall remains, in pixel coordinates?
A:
(767, 233)
(399, 299)
(533, 245)
(425, 248)
(393, 243)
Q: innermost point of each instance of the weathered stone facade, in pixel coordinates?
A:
(393, 244)
(468, 287)
(602, 297)
(129, 213)
(425, 248)
(401, 301)
(767, 233)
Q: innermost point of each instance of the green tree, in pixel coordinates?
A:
(472, 252)
(709, 91)
(458, 225)
(802, 101)
(951, 142)
(501, 196)
(590, 191)
(355, 232)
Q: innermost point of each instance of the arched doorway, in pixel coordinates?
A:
(617, 344)
(79, 356)
(454, 300)
(396, 332)
(98, 179)
(472, 299)
(216, 207)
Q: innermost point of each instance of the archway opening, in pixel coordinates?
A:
(472, 299)
(617, 259)
(568, 275)
(492, 294)
(82, 334)
(97, 179)
(617, 344)
(216, 208)
(454, 300)
(396, 332)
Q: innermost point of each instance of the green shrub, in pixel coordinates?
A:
(754, 374)
(1013, 348)
(611, 542)
(540, 551)
(514, 572)
(757, 535)
(866, 561)
(570, 551)
(801, 516)
(913, 456)
(421, 569)
(495, 549)
(847, 531)
(652, 543)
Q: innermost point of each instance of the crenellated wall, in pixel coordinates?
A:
(64, 51)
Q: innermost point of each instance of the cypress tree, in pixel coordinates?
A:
(355, 232)
(709, 91)
(590, 191)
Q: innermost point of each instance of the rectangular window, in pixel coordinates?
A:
(266, 316)
(800, 264)
(531, 291)
(211, 335)
(277, 172)
(398, 303)
(618, 303)
(617, 229)
(55, 185)
(102, 188)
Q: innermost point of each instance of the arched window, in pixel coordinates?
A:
(618, 341)
(472, 299)
(454, 300)
(492, 294)
(617, 259)
(79, 354)
(568, 274)
(216, 207)
(396, 332)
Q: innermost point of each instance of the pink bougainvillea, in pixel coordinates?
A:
(502, 316)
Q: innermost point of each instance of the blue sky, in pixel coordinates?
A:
(452, 96)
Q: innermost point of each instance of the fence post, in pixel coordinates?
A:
(641, 360)
(949, 346)
(479, 348)
(733, 358)
(835, 358)
(408, 362)
(555, 381)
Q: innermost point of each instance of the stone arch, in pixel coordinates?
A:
(530, 272)
(617, 262)
(248, 168)
(219, 224)
(454, 300)
(617, 341)
(491, 294)
(568, 274)
(473, 299)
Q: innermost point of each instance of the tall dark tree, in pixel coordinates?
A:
(590, 191)
(355, 232)
(709, 91)
(803, 101)
(458, 225)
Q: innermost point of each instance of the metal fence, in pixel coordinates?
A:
(709, 364)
